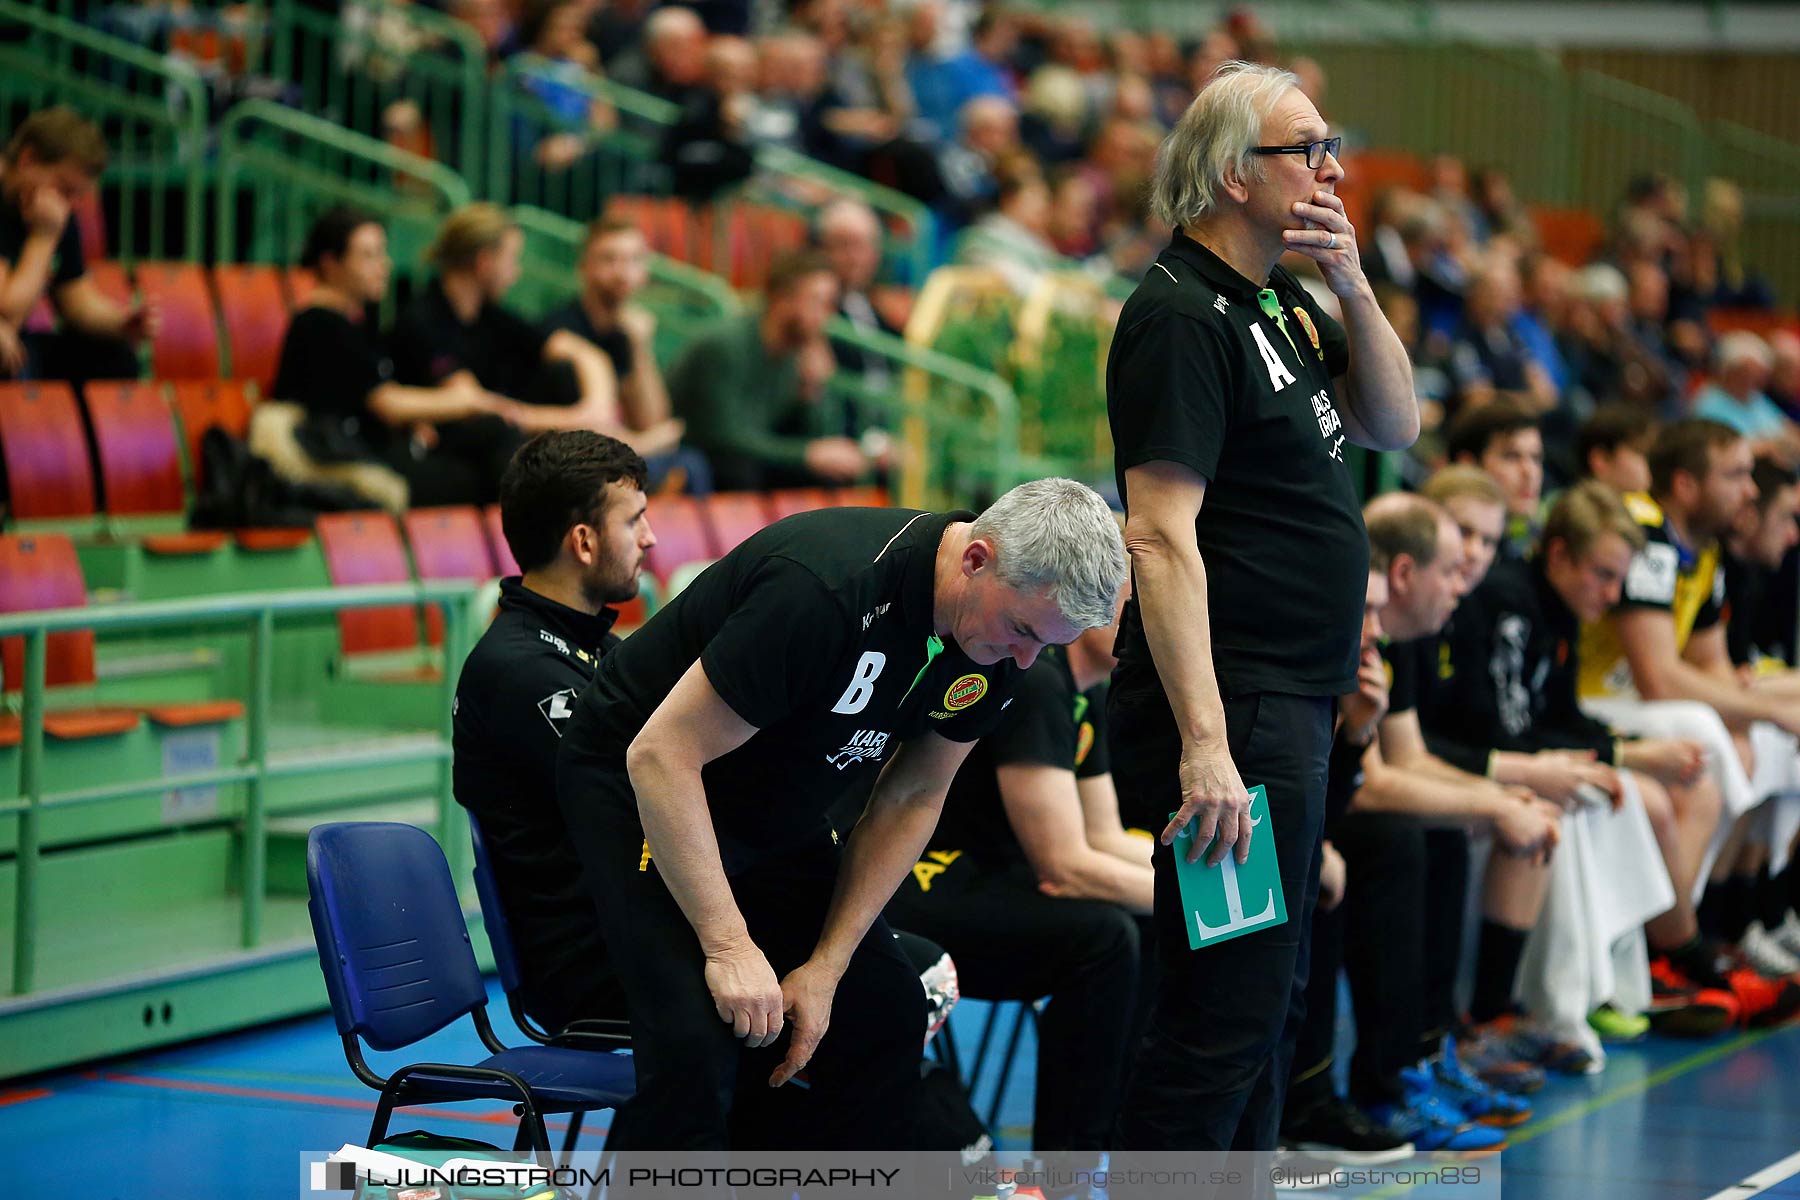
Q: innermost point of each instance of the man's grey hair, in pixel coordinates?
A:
(672, 20)
(1212, 141)
(1059, 534)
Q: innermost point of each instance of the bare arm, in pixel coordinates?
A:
(24, 280)
(643, 392)
(598, 408)
(458, 397)
(1661, 672)
(91, 310)
(1171, 598)
(1100, 817)
(1379, 406)
(1523, 826)
(1044, 808)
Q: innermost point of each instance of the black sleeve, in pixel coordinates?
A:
(71, 263)
(781, 645)
(1039, 728)
(1713, 607)
(1176, 403)
(522, 339)
(1401, 659)
(1564, 726)
(1091, 757)
(320, 369)
(417, 362)
(979, 719)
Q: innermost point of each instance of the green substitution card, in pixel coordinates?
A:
(1229, 900)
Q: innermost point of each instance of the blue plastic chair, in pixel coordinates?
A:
(398, 967)
(593, 1034)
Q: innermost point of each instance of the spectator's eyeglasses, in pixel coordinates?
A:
(1315, 151)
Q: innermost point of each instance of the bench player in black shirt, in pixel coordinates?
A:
(1232, 399)
(1032, 884)
(573, 508)
(829, 651)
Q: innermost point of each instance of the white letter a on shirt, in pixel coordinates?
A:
(1278, 372)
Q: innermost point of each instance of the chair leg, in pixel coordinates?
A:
(572, 1136)
(981, 1047)
(944, 1044)
(1006, 1064)
(384, 1113)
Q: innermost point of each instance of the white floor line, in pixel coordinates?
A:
(1762, 1180)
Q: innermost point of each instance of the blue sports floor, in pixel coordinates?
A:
(228, 1118)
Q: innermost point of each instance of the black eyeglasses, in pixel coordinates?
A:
(1315, 151)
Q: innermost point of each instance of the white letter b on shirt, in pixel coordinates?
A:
(862, 684)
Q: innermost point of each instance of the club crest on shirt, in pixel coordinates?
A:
(965, 691)
(1312, 331)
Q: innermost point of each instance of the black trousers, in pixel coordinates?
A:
(1384, 946)
(76, 357)
(1309, 1080)
(698, 1087)
(1213, 1070)
(1446, 903)
(465, 465)
(1012, 942)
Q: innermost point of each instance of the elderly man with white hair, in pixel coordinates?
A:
(1735, 397)
(1232, 400)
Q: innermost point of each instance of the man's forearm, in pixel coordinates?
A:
(649, 394)
(1171, 596)
(1381, 400)
(1435, 801)
(1090, 874)
(672, 806)
(1737, 706)
(881, 849)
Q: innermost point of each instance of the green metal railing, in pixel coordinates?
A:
(295, 166)
(622, 159)
(257, 612)
(350, 71)
(152, 108)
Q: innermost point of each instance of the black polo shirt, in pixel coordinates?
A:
(503, 350)
(513, 703)
(67, 262)
(1050, 723)
(614, 342)
(330, 365)
(1201, 375)
(815, 631)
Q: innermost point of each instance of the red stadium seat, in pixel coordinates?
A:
(255, 316)
(187, 346)
(110, 277)
(39, 572)
(364, 548)
(1573, 235)
(140, 467)
(447, 543)
(90, 221)
(785, 502)
(503, 556)
(734, 516)
(299, 286)
(682, 535)
(861, 497)
(45, 451)
(202, 404)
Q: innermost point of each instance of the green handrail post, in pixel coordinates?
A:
(454, 614)
(256, 817)
(31, 764)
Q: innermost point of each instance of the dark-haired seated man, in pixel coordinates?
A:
(52, 161)
(573, 508)
(1504, 439)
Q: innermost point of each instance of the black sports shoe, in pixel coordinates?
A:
(1336, 1131)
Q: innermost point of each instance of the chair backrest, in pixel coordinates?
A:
(447, 543)
(682, 535)
(493, 916)
(785, 502)
(255, 316)
(39, 571)
(364, 547)
(861, 497)
(47, 469)
(187, 344)
(204, 403)
(734, 516)
(496, 534)
(140, 464)
(389, 931)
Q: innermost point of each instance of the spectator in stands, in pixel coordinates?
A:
(740, 389)
(1680, 345)
(449, 441)
(943, 83)
(1503, 439)
(1487, 358)
(1014, 238)
(712, 145)
(1742, 363)
(573, 508)
(849, 236)
(1607, 358)
(990, 133)
(492, 22)
(1759, 630)
(617, 27)
(1784, 371)
(561, 70)
(1074, 214)
(614, 268)
(1031, 856)
(1716, 274)
(52, 162)
(671, 65)
(1497, 207)
(1613, 446)
(1214, 50)
(459, 328)
(1543, 317)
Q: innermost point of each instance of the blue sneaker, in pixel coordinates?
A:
(1432, 1125)
(1456, 1085)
